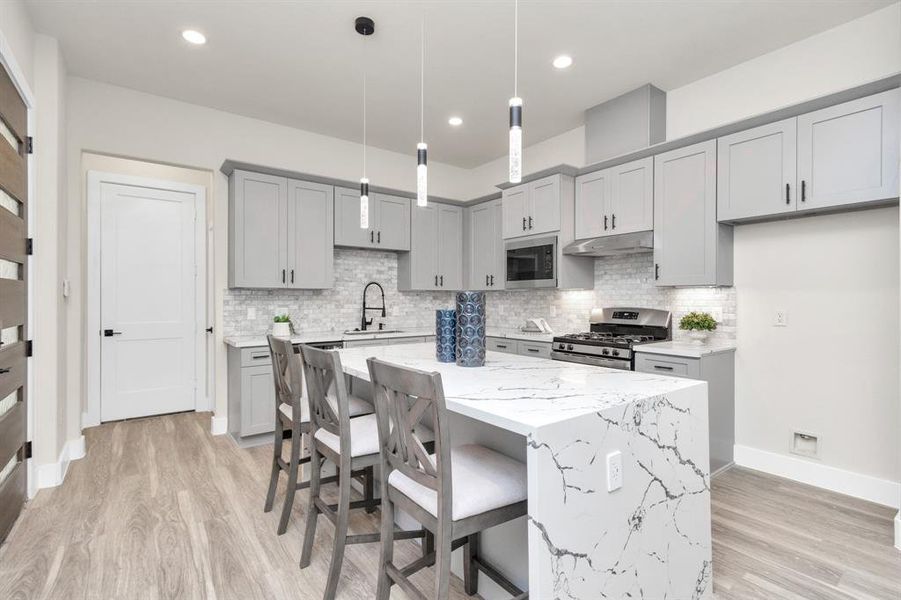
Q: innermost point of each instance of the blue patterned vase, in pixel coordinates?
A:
(470, 329)
(445, 334)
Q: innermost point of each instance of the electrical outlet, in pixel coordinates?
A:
(614, 470)
(251, 313)
(781, 318)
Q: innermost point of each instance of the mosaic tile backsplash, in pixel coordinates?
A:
(619, 281)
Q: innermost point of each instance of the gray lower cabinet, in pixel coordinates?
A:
(389, 221)
(849, 153)
(522, 347)
(690, 246)
(718, 370)
(435, 260)
(483, 247)
(280, 232)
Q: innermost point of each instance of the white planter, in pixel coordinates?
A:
(698, 337)
(281, 330)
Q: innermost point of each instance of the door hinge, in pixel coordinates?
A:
(29, 145)
(26, 450)
(29, 246)
(29, 348)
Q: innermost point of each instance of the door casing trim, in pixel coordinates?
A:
(95, 179)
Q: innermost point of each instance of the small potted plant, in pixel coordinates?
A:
(281, 326)
(698, 325)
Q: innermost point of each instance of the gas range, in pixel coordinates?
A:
(614, 332)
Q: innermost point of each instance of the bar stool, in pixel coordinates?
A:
(292, 419)
(454, 493)
(352, 445)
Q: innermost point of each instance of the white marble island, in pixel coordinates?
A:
(648, 539)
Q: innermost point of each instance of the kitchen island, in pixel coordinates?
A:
(650, 538)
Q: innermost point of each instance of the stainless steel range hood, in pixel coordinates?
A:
(612, 245)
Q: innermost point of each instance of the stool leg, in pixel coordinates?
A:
(292, 481)
(442, 562)
(386, 556)
(369, 490)
(334, 571)
(309, 534)
(276, 455)
(470, 571)
(428, 544)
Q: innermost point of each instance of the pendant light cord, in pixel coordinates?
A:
(516, 48)
(422, 80)
(364, 123)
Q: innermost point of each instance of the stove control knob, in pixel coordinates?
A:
(569, 347)
(605, 352)
(562, 346)
(616, 353)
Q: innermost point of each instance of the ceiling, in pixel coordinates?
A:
(301, 63)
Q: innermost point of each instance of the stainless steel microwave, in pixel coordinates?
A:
(532, 263)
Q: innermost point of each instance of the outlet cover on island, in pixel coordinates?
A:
(614, 471)
(781, 318)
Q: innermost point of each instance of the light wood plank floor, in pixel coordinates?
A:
(161, 509)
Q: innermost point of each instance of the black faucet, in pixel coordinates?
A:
(364, 323)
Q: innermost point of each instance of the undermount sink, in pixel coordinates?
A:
(372, 331)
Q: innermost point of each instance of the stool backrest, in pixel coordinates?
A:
(323, 370)
(287, 374)
(403, 397)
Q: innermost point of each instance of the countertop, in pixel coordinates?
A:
(521, 393)
(685, 349)
(307, 337)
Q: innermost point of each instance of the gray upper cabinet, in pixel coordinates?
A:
(257, 230)
(848, 153)
(484, 254)
(389, 221)
(757, 172)
(690, 247)
(435, 259)
(279, 232)
(532, 208)
(310, 235)
(616, 200)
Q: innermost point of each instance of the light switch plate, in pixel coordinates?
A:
(781, 318)
(614, 470)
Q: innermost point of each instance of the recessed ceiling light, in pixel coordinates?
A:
(563, 61)
(194, 37)
(455, 121)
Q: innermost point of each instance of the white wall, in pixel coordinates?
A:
(15, 26)
(113, 120)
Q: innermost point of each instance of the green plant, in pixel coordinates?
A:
(281, 319)
(697, 321)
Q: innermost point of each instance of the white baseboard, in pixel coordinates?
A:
(52, 474)
(866, 487)
(218, 425)
(898, 531)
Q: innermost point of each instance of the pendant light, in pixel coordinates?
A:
(515, 106)
(422, 149)
(365, 27)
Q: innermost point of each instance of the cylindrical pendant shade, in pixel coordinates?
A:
(470, 329)
(515, 140)
(422, 184)
(445, 335)
(364, 203)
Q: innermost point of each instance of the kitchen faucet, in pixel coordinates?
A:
(364, 323)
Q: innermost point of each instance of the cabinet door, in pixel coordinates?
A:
(482, 246)
(347, 219)
(259, 227)
(685, 224)
(423, 259)
(450, 247)
(592, 198)
(544, 198)
(497, 277)
(310, 235)
(257, 400)
(849, 153)
(632, 197)
(392, 222)
(515, 202)
(757, 171)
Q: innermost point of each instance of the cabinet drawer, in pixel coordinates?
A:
(409, 340)
(676, 366)
(255, 357)
(501, 345)
(533, 349)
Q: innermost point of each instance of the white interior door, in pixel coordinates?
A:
(147, 301)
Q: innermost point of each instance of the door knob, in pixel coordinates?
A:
(110, 333)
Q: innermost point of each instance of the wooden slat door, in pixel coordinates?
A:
(13, 301)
